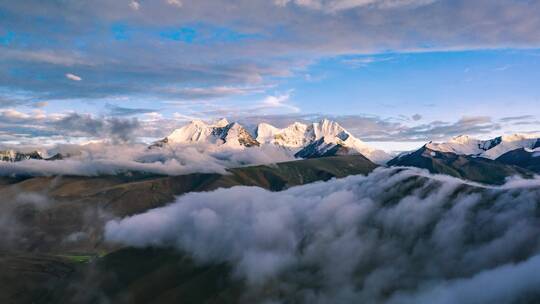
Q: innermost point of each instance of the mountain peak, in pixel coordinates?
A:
(221, 122)
(197, 122)
(462, 139)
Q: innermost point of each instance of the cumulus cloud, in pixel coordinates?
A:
(395, 236)
(73, 77)
(112, 128)
(41, 126)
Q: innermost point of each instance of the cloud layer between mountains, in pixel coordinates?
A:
(99, 159)
(396, 236)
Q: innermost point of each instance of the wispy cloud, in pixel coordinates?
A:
(363, 61)
(212, 92)
(277, 102)
(73, 77)
(116, 110)
(340, 5)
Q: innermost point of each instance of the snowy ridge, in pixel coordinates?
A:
(492, 148)
(17, 156)
(222, 132)
(293, 136)
(324, 138)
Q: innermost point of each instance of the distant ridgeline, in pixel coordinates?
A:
(15, 156)
(486, 161)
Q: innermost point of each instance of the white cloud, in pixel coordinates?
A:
(153, 116)
(73, 77)
(176, 3)
(506, 284)
(281, 3)
(61, 58)
(340, 5)
(359, 239)
(13, 114)
(278, 102)
(364, 61)
(134, 5)
(103, 158)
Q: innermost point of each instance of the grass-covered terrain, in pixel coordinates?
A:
(52, 249)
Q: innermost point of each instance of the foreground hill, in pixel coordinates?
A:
(395, 236)
(58, 222)
(64, 213)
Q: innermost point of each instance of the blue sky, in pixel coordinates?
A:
(401, 71)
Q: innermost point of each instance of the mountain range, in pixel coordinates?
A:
(487, 161)
(16, 156)
(319, 139)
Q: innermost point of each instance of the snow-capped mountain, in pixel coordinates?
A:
(295, 135)
(220, 133)
(328, 138)
(324, 138)
(486, 161)
(16, 156)
(492, 148)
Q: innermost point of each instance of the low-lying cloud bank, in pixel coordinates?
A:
(98, 159)
(395, 236)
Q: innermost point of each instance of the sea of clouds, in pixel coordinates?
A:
(395, 236)
(109, 159)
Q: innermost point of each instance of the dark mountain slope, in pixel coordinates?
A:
(320, 148)
(476, 169)
(522, 158)
(151, 275)
(63, 217)
(52, 210)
